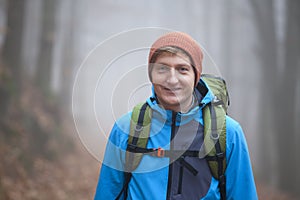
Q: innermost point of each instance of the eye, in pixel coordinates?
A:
(162, 68)
(184, 69)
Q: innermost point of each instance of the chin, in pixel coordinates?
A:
(171, 105)
(172, 102)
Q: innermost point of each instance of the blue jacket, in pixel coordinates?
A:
(163, 178)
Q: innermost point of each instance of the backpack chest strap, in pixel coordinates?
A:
(160, 152)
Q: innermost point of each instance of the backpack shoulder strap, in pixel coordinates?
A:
(138, 137)
(214, 118)
(139, 134)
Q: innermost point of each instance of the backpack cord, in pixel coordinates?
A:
(128, 176)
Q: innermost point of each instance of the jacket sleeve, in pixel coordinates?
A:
(239, 177)
(111, 179)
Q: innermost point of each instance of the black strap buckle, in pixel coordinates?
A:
(220, 155)
(222, 180)
(136, 149)
(222, 186)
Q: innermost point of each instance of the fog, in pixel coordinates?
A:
(95, 53)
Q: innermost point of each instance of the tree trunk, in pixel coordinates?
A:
(289, 160)
(12, 54)
(67, 63)
(263, 13)
(43, 72)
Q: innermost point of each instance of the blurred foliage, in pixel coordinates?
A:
(40, 158)
(33, 125)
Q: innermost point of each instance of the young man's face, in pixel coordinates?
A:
(173, 79)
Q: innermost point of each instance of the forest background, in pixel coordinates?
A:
(49, 141)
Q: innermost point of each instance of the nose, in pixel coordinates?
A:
(172, 78)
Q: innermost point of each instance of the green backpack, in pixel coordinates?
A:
(214, 117)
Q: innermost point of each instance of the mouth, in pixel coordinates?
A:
(171, 90)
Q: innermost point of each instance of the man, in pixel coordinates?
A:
(175, 66)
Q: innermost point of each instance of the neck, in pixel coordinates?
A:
(189, 106)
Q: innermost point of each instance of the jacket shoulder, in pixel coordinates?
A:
(120, 130)
(234, 132)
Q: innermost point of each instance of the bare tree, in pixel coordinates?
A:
(67, 63)
(286, 103)
(12, 52)
(278, 95)
(43, 72)
(263, 17)
(13, 41)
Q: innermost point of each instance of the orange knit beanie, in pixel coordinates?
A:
(184, 42)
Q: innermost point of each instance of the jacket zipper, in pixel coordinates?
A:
(173, 126)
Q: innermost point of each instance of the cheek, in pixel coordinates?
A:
(156, 78)
(189, 81)
(156, 87)
(157, 90)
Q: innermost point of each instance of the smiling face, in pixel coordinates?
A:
(173, 79)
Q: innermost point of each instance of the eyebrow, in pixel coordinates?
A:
(177, 65)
